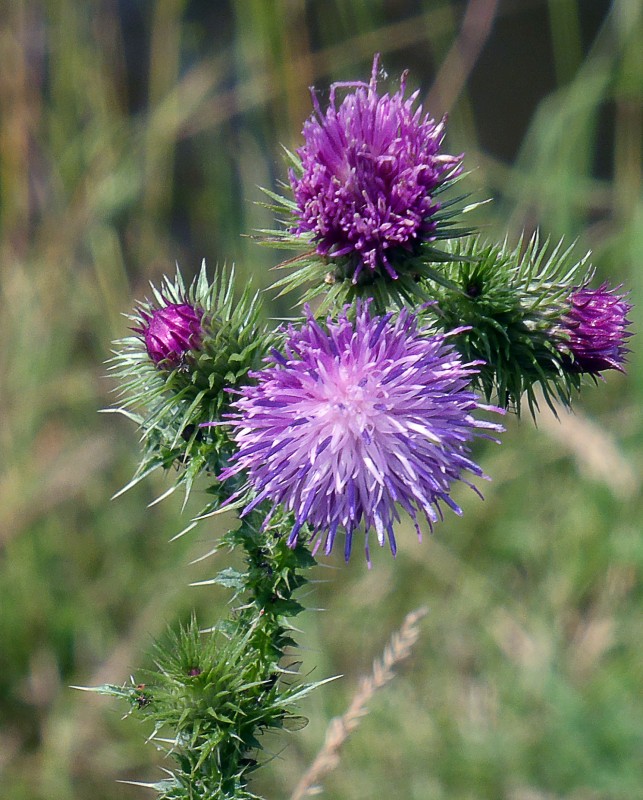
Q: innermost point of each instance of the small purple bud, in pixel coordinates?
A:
(596, 322)
(170, 332)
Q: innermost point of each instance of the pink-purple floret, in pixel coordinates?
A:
(595, 324)
(170, 332)
(354, 421)
(370, 169)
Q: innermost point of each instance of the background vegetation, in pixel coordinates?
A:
(134, 134)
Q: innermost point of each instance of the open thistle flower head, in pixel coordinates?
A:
(595, 323)
(370, 169)
(355, 420)
(171, 332)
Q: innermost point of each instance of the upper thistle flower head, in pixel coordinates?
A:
(354, 421)
(171, 332)
(366, 180)
(595, 322)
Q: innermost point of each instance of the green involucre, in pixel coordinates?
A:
(170, 405)
(510, 302)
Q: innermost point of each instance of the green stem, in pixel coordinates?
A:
(274, 573)
(216, 693)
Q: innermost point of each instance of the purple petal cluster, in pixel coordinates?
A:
(170, 332)
(354, 421)
(596, 326)
(370, 168)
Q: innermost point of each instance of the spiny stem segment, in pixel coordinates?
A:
(266, 588)
(212, 694)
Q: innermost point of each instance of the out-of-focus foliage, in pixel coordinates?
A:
(133, 135)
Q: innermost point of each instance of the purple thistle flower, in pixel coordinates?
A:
(595, 323)
(370, 168)
(355, 420)
(170, 332)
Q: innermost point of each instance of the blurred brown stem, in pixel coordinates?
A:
(399, 648)
(461, 58)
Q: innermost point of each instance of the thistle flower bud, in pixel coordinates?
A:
(595, 323)
(511, 302)
(171, 332)
(191, 346)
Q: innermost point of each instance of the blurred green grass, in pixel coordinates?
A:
(134, 135)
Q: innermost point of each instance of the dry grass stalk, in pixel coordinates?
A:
(399, 648)
(595, 450)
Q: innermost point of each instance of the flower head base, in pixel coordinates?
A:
(171, 332)
(355, 420)
(595, 323)
(510, 302)
(370, 169)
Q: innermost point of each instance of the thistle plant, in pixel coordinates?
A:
(348, 418)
